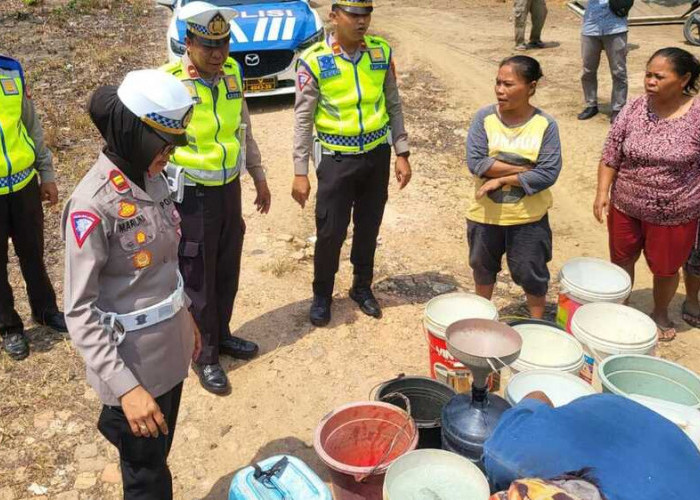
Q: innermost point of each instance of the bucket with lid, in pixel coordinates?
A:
(546, 347)
(440, 313)
(561, 388)
(427, 398)
(647, 376)
(583, 280)
(434, 475)
(359, 441)
(605, 329)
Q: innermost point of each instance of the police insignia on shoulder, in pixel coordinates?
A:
(9, 87)
(83, 223)
(142, 259)
(126, 209)
(118, 181)
(232, 89)
(328, 66)
(303, 78)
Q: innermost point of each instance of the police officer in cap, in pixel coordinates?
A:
(126, 309)
(221, 146)
(23, 155)
(346, 88)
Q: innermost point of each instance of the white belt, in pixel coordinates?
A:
(118, 325)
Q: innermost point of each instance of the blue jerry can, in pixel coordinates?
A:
(282, 477)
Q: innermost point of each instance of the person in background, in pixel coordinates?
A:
(538, 12)
(23, 157)
(125, 305)
(514, 153)
(220, 144)
(347, 90)
(690, 310)
(619, 450)
(649, 177)
(603, 30)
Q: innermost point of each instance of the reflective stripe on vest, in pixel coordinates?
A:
(351, 115)
(17, 154)
(212, 157)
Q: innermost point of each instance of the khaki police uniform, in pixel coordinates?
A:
(24, 159)
(351, 179)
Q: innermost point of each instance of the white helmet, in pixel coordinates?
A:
(160, 100)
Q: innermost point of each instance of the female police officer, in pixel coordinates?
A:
(125, 306)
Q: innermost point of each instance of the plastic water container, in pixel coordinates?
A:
(605, 329)
(647, 376)
(561, 388)
(547, 347)
(686, 418)
(440, 313)
(583, 280)
(434, 475)
(282, 477)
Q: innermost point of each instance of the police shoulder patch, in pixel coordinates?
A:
(118, 181)
(83, 223)
(303, 78)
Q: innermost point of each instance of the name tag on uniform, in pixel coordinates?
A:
(129, 224)
(378, 59)
(192, 89)
(328, 66)
(9, 87)
(232, 90)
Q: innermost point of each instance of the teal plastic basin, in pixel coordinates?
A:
(628, 374)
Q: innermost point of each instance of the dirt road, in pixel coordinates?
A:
(447, 55)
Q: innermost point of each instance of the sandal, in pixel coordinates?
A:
(666, 333)
(690, 318)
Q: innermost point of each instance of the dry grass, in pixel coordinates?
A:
(280, 266)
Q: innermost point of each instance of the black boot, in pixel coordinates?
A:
(238, 348)
(361, 292)
(212, 377)
(15, 343)
(588, 113)
(320, 312)
(54, 320)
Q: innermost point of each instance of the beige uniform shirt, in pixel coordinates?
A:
(43, 163)
(121, 256)
(307, 97)
(253, 157)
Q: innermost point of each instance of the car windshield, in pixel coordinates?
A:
(229, 3)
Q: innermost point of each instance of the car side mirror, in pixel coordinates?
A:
(167, 3)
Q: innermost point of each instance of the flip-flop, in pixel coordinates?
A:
(666, 333)
(692, 319)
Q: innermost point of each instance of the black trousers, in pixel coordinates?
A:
(22, 219)
(210, 259)
(144, 460)
(356, 184)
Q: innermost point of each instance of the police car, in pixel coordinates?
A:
(267, 36)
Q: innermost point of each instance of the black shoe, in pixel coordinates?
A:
(588, 113)
(365, 299)
(536, 44)
(320, 312)
(212, 377)
(15, 344)
(613, 116)
(238, 348)
(54, 320)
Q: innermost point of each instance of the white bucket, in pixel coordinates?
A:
(586, 279)
(434, 474)
(605, 329)
(548, 348)
(440, 313)
(561, 388)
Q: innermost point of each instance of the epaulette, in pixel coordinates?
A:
(314, 48)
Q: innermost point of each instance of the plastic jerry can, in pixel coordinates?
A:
(282, 477)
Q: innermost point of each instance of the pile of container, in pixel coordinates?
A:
(422, 438)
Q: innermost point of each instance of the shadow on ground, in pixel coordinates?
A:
(283, 446)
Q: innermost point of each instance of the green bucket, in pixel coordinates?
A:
(634, 374)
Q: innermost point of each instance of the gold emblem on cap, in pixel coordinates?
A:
(218, 25)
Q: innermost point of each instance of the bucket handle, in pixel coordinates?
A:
(380, 463)
(376, 386)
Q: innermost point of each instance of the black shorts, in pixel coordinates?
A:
(528, 249)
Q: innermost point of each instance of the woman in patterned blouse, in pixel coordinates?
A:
(649, 177)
